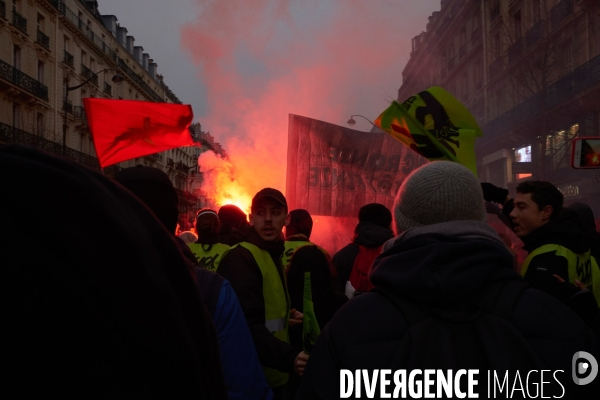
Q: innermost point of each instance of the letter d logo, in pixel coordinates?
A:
(579, 368)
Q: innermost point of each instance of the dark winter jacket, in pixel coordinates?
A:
(587, 223)
(366, 234)
(563, 231)
(241, 270)
(444, 267)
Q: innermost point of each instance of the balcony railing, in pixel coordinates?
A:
(2, 9)
(20, 22)
(74, 19)
(107, 89)
(561, 11)
(138, 80)
(10, 134)
(534, 34)
(68, 106)
(79, 113)
(43, 40)
(88, 73)
(515, 50)
(69, 59)
(23, 80)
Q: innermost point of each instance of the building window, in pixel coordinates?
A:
(40, 72)
(17, 115)
(16, 5)
(41, 22)
(66, 44)
(83, 57)
(40, 124)
(17, 57)
(92, 64)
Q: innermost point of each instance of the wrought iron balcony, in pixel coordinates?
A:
(69, 59)
(20, 22)
(43, 40)
(107, 89)
(23, 80)
(87, 74)
(152, 157)
(2, 9)
(79, 113)
(138, 80)
(68, 106)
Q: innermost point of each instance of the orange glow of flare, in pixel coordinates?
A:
(220, 183)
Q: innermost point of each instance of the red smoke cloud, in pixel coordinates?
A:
(261, 60)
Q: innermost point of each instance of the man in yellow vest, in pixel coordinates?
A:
(297, 234)
(556, 244)
(254, 269)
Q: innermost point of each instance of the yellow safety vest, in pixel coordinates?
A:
(582, 267)
(277, 305)
(290, 248)
(209, 259)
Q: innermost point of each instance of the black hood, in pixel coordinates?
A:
(441, 269)
(564, 231)
(369, 234)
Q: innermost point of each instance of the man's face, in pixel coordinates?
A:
(268, 219)
(527, 216)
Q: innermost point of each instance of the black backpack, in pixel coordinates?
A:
(480, 336)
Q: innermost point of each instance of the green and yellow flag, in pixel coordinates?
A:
(434, 124)
(310, 326)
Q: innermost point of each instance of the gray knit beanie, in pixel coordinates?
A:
(438, 192)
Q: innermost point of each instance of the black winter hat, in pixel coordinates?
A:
(375, 213)
(300, 222)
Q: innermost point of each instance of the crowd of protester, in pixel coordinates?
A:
(107, 301)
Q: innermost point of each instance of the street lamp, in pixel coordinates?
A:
(117, 78)
(352, 122)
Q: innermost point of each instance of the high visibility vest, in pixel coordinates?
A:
(277, 305)
(290, 248)
(209, 259)
(582, 267)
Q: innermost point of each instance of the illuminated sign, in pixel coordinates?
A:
(569, 191)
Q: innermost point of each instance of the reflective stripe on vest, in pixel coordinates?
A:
(209, 259)
(277, 305)
(290, 248)
(582, 267)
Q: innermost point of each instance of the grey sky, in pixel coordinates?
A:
(156, 25)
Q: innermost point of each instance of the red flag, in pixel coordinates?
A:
(126, 129)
